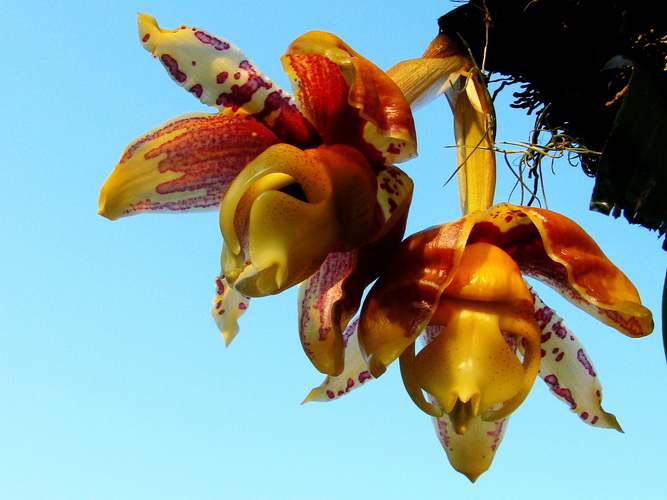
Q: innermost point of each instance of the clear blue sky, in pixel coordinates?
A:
(113, 379)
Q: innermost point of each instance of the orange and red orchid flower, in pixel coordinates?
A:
(306, 187)
(459, 286)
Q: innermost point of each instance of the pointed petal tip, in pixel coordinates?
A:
(472, 476)
(376, 366)
(312, 396)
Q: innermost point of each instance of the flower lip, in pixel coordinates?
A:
(288, 209)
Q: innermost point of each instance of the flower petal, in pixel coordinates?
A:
(567, 370)
(389, 134)
(401, 303)
(471, 453)
(474, 123)
(423, 79)
(320, 332)
(228, 307)
(331, 297)
(183, 165)
(355, 374)
(555, 250)
(220, 75)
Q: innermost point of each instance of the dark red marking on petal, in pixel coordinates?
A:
(243, 306)
(594, 419)
(496, 433)
(146, 37)
(363, 376)
(581, 357)
(207, 39)
(197, 90)
(393, 149)
(242, 94)
(331, 394)
(552, 382)
(221, 77)
(559, 330)
(172, 66)
(584, 415)
(543, 316)
(219, 286)
(560, 356)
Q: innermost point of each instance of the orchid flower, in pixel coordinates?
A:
(306, 186)
(459, 287)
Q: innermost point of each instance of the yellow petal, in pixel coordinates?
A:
(470, 367)
(474, 122)
(423, 79)
(471, 453)
(470, 361)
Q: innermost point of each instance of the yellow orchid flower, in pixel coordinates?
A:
(306, 186)
(486, 334)
(459, 286)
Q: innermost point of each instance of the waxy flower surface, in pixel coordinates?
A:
(306, 186)
(460, 287)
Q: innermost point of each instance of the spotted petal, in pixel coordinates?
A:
(388, 134)
(567, 370)
(183, 165)
(355, 374)
(228, 306)
(220, 75)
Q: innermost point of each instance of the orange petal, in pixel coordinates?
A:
(388, 134)
(401, 303)
(556, 250)
(183, 165)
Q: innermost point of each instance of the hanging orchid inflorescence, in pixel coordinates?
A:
(308, 195)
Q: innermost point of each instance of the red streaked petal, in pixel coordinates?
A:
(321, 332)
(321, 91)
(220, 75)
(388, 135)
(183, 165)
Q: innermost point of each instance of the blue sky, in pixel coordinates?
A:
(114, 380)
